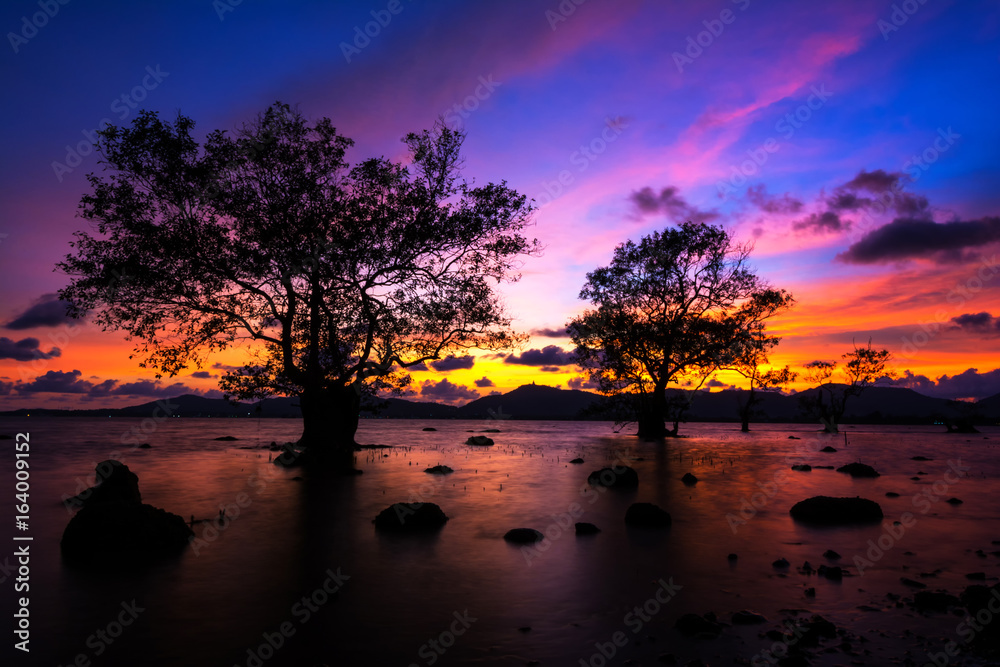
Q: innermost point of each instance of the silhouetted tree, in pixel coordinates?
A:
(864, 366)
(336, 278)
(750, 361)
(671, 308)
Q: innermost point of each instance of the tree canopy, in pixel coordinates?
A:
(675, 306)
(865, 365)
(335, 277)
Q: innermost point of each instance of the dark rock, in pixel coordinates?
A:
(584, 528)
(828, 449)
(439, 470)
(980, 600)
(858, 470)
(792, 437)
(912, 583)
(831, 572)
(428, 428)
(145, 445)
(227, 438)
(822, 467)
(479, 441)
(4, 436)
(891, 494)
(690, 625)
(831, 554)
(667, 659)
(825, 510)
(411, 518)
(115, 483)
(523, 536)
(109, 531)
(746, 617)
(954, 501)
(647, 514)
(689, 479)
(621, 477)
(524, 628)
(491, 430)
(781, 563)
(810, 592)
(934, 601)
(576, 460)
(802, 467)
(921, 458)
(732, 557)
(976, 576)
(793, 661)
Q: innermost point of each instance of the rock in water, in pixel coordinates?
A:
(227, 438)
(411, 518)
(648, 515)
(621, 477)
(479, 441)
(523, 536)
(428, 428)
(829, 511)
(114, 523)
(690, 625)
(584, 528)
(689, 479)
(746, 617)
(576, 460)
(439, 470)
(802, 467)
(829, 450)
(858, 470)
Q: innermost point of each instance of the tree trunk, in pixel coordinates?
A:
(652, 412)
(329, 423)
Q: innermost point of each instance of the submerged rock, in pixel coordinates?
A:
(891, 494)
(934, 601)
(523, 536)
(781, 563)
(145, 445)
(226, 438)
(584, 528)
(832, 572)
(428, 428)
(115, 482)
(620, 477)
(954, 501)
(690, 625)
(689, 479)
(802, 467)
(747, 617)
(831, 511)
(829, 450)
(647, 515)
(831, 554)
(576, 460)
(439, 470)
(858, 470)
(479, 441)
(411, 518)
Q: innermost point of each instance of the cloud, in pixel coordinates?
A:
(968, 384)
(484, 382)
(26, 349)
(451, 363)
(713, 383)
(550, 369)
(876, 182)
(48, 311)
(978, 322)
(203, 375)
(669, 203)
(447, 391)
(907, 238)
(6, 388)
(760, 198)
(888, 186)
(550, 333)
(550, 355)
(827, 221)
(57, 382)
(581, 382)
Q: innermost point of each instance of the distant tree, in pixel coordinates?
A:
(335, 278)
(750, 361)
(671, 308)
(865, 365)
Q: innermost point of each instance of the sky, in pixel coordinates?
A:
(854, 143)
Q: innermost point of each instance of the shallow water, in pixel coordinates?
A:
(218, 602)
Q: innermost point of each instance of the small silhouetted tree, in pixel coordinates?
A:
(336, 278)
(672, 307)
(828, 402)
(751, 361)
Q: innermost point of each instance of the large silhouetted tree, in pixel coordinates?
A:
(828, 401)
(672, 308)
(335, 277)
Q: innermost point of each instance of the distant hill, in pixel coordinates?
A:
(531, 401)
